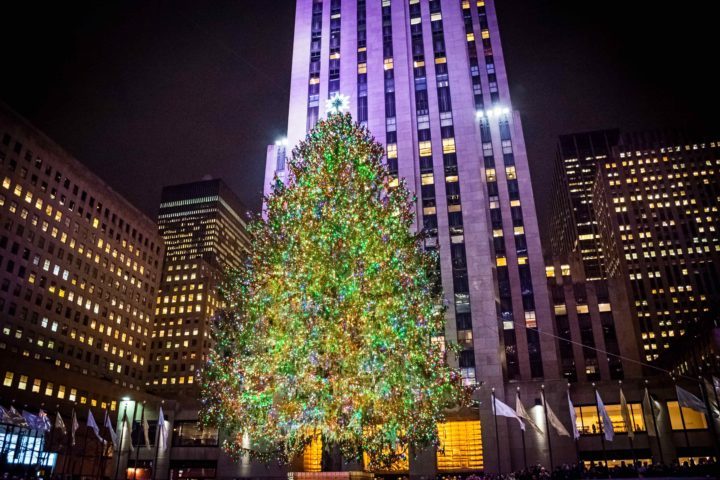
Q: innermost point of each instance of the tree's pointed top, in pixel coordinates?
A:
(338, 103)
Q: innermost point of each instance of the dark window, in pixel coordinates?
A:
(192, 434)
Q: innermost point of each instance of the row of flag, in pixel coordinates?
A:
(41, 423)
(651, 410)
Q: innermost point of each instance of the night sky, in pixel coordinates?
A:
(151, 93)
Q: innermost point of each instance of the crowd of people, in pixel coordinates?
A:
(580, 471)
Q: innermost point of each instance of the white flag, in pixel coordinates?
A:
(162, 431)
(606, 422)
(627, 419)
(573, 418)
(146, 432)
(688, 400)
(652, 411)
(108, 425)
(555, 421)
(92, 424)
(499, 408)
(74, 426)
(59, 424)
(522, 413)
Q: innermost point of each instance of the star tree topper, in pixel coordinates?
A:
(338, 103)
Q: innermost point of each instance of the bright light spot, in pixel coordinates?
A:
(493, 112)
(338, 103)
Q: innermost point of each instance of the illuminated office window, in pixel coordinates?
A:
(460, 446)
(312, 456)
(693, 420)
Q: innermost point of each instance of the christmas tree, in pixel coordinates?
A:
(333, 328)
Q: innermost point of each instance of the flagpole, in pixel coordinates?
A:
(576, 441)
(101, 446)
(84, 449)
(682, 416)
(600, 425)
(547, 428)
(630, 428)
(52, 438)
(655, 427)
(137, 449)
(497, 434)
(122, 438)
(522, 431)
(67, 455)
(709, 414)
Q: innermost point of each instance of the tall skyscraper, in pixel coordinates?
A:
(574, 227)
(428, 79)
(656, 201)
(204, 230)
(80, 270)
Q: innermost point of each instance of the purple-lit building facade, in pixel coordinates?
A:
(428, 79)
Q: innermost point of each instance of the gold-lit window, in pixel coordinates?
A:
(565, 270)
(588, 422)
(510, 173)
(460, 446)
(427, 179)
(7, 382)
(501, 261)
(448, 145)
(392, 150)
(425, 148)
(36, 385)
(362, 67)
(388, 64)
(312, 456)
(490, 174)
(693, 420)
(549, 272)
(22, 383)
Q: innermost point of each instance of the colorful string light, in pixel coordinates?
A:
(329, 327)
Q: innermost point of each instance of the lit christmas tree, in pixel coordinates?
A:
(330, 328)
